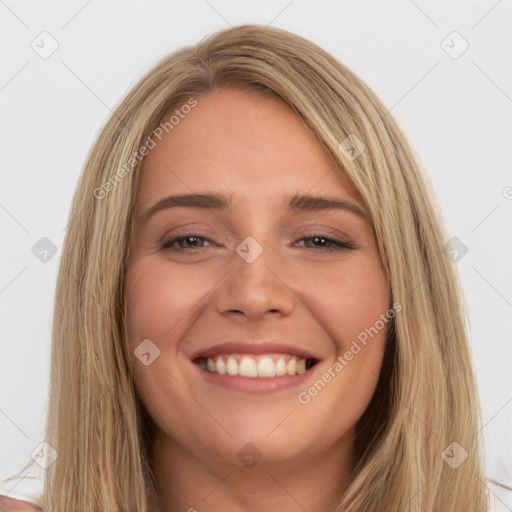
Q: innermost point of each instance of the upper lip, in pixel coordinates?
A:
(254, 347)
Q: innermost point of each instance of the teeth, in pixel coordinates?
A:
(232, 366)
(301, 366)
(266, 368)
(210, 365)
(280, 367)
(248, 366)
(220, 366)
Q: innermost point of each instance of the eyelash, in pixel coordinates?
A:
(339, 245)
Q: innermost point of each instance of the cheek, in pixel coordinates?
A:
(350, 301)
(160, 304)
(352, 309)
(158, 300)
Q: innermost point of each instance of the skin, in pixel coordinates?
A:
(8, 504)
(259, 152)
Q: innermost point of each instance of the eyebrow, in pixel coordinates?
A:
(221, 202)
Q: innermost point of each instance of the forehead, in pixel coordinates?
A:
(250, 146)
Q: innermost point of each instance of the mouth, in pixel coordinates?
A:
(256, 366)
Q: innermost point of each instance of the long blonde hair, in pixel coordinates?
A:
(426, 397)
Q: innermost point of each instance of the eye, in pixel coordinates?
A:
(188, 238)
(328, 244)
(193, 241)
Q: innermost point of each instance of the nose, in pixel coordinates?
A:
(254, 288)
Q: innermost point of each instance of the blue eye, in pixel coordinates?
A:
(168, 244)
(327, 244)
(332, 245)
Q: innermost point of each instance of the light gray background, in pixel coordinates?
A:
(457, 112)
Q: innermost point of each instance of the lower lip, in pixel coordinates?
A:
(255, 385)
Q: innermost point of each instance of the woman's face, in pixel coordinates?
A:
(228, 291)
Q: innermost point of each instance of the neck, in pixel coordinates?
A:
(191, 482)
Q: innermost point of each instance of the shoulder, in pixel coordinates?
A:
(10, 504)
(500, 497)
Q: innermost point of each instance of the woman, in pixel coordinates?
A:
(254, 308)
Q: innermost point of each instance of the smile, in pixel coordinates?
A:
(256, 366)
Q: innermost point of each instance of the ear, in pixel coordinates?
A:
(8, 504)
